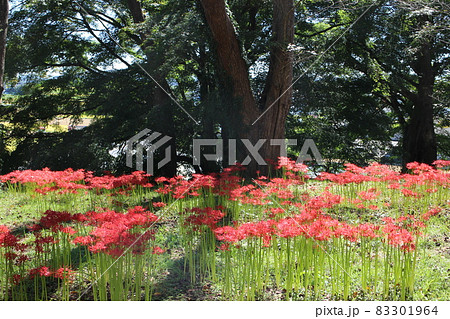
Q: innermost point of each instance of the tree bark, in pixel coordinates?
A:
(4, 11)
(277, 95)
(136, 11)
(419, 137)
(230, 57)
(276, 100)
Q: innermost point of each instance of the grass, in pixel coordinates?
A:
(188, 269)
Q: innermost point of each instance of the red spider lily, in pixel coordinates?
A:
(276, 211)
(291, 165)
(83, 240)
(69, 181)
(8, 240)
(158, 250)
(111, 182)
(46, 190)
(53, 218)
(325, 200)
(98, 247)
(115, 251)
(228, 234)
(161, 179)
(44, 176)
(11, 256)
(4, 232)
(418, 168)
(370, 194)
(368, 230)
(42, 271)
(321, 229)
(68, 230)
(16, 279)
(22, 259)
(3, 229)
(355, 174)
(410, 193)
(63, 273)
(114, 232)
(346, 231)
(441, 163)
(403, 231)
(399, 237)
(289, 227)
(80, 218)
(204, 216)
(263, 229)
(224, 246)
(40, 241)
(394, 186)
(431, 212)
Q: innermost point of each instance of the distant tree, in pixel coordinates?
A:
(402, 47)
(70, 52)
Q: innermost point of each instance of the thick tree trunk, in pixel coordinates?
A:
(420, 139)
(267, 119)
(4, 11)
(277, 96)
(230, 57)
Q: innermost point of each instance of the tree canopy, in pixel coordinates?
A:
(366, 80)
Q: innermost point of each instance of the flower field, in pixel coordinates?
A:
(363, 234)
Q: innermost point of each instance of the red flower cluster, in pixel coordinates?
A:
(115, 232)
(178, 187)
(45, 176)
(204, 216)
(401, 232)
(69, 181)
(62, 273)
(53, 220)
(14, 249)
(111, 182)
(112, 233)
(441, 163)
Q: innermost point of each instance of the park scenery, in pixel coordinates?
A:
(225, 150)
(365, 233)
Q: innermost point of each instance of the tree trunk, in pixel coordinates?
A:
(230, 57)
(4, 11)
(277, 95)
(420, 139)
(267, 119)
(136, 11)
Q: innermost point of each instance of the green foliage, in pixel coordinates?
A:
(67, 60)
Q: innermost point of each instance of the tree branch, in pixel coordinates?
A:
(321, 31)
(136, 11)
(103, 44)
(74, 64)
(382, 64)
